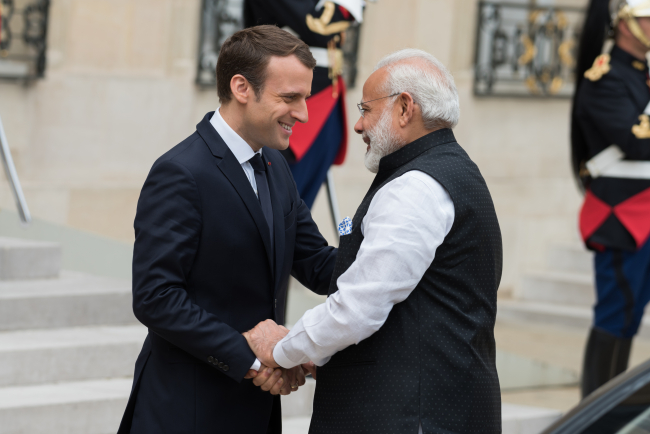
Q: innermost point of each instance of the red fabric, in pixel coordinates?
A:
(340, 157)
(345, 12)
(320, 107)
(634, 213)
(594, 212)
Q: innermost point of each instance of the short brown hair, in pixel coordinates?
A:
(248, 53)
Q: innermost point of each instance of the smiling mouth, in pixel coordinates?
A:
(286, 127)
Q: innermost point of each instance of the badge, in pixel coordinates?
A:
(638, 65)
(600, 68)
(642, 131)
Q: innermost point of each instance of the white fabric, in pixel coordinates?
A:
(640, 8)
(406, 222)
(609, 163)
(355, 7)
(628, 170)
(243, 152)
(321, 56)
(604, 159)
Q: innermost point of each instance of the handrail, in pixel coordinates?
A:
(12, 177)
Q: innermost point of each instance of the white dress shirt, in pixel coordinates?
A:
(406, 222)
(243, 152)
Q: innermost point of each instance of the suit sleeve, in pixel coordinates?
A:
(167, 230)
(313, 258)
(607, 110)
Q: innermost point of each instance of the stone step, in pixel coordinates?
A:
(523, 419)
(85, 407)
(29, 357)
(96, 407)
(26, 259)
(91, 407)
(577, 317)
(74, 299)
(570, 258)
(557, 287)
(516, 419)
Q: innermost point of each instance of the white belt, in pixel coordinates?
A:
(321, 55)
(610, 164)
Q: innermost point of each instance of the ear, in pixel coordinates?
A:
(240, 88)
(406, 108)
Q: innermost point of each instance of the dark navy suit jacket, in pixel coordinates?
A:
(204, 271)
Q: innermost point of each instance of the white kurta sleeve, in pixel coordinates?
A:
(406, 222)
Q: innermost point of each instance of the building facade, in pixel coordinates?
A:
(119, 90)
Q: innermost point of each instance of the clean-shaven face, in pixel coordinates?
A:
(270, 120)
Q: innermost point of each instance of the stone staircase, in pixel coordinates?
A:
(562, 295)
(68, 343)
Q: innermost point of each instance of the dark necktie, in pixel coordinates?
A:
(263, 193)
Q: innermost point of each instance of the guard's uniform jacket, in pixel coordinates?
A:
(321, 142)
(616, 211)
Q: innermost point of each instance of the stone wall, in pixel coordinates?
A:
(119, 91)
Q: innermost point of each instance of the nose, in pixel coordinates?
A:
(301, 114)
(358, 127)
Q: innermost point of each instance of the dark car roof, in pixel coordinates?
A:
(602, 400)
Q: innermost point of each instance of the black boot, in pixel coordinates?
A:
(606, 356)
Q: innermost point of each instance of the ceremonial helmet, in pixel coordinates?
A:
(629, 11)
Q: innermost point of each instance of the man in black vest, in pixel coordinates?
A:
(405, 340)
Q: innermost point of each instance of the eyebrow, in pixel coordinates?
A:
(289, 94)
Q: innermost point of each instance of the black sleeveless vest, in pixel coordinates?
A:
(433, 361)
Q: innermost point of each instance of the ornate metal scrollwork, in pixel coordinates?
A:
(23, 35)
(219, 20)
(526, 51)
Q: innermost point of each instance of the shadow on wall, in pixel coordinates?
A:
(82, 251)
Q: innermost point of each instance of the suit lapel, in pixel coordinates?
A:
(231, 168)
(278, 219)
(233, 171)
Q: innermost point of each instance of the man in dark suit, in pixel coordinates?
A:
(219, 228)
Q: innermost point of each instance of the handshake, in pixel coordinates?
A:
(272, 378)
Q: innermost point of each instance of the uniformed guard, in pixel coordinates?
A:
(322, 141)
(611, 158)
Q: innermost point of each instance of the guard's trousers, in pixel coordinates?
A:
(623, 290)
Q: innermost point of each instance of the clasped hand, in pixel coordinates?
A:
(272, 378)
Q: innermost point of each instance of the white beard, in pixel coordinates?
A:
(383, 141)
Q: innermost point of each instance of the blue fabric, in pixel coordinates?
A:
(623, 290)
(310, 172)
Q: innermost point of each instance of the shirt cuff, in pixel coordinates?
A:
(256, 365)
(281, 358)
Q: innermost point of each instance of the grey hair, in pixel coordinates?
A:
(431, 88)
